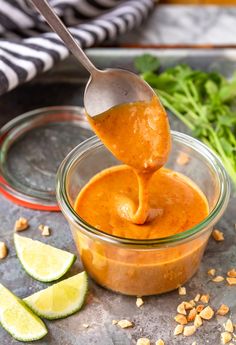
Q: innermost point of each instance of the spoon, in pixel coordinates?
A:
(105, 88)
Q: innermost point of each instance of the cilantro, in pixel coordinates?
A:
(147, 63)
(203, 101)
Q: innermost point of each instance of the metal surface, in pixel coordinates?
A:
(107, 88)
(155, 319)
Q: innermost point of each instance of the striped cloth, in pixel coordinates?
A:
(28, 47)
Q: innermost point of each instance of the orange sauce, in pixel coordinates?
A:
(139, 200)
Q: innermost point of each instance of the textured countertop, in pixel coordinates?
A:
(177, 24)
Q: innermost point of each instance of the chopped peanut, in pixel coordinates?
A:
(183, 158)
(21, 224)
(194, 343)
(207, 313)
(225, 337)
(178, 329)
(188, 305)
(160, 342)
(193, 304)
(114, 322)
(85, 325)
(181, 319)
(181, 308)
(223, 310)
(192, 314)
(211, 272)
(45, 230)
(229, 326)
(139, 302)
(3, 250)
(232, 273)
(143, 341)
(199, 308)
(189, 330)
(182, 290)
(124, 324)
(205, 298)
(218, 235)
(218, 279)
(231, 281)
(198, 321)
(197, 297)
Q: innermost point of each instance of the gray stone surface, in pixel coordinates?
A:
(181, 24)
(155, 318)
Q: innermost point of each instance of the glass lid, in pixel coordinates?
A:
(32, 146)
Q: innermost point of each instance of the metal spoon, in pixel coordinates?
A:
(105, 88)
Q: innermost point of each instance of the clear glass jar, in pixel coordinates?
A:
(142, 267)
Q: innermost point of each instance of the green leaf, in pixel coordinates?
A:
(146, 63)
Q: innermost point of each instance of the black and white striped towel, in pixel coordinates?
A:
(28, 47)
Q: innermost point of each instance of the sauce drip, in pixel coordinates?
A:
(138, 134)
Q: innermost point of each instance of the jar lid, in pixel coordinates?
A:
(32, 146)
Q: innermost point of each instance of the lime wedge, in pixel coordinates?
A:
(18, 319)
(61, 299)
(43, 262)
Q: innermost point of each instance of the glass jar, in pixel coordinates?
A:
(142, 267)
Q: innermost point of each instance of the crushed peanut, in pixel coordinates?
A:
(223, 310)
(114, 322)
(182, 290)
(207, 313)
(45, 230)
(139, 302)
(160, 342)
(211, 272)
(198, 321)
(192, 314)
(194, 343)
(85, 325)
(178, 329)
(188, 305)
(143, 341)
(21, 224)
(189, 330)
(3, 250)
(218, 279)
(232, 273)
(124, 324)
(205, 298)
(181, 308)
(193, 304)
(181, 319)
(229, 326)
(197, 297)
(225, 337)
(183, 158)
(218, 235)
(231, 281)
(199, 308)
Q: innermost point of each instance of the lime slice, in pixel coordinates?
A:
(43, 262)
(18, 319)
(61, 299)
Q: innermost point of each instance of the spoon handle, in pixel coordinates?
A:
(56, 24)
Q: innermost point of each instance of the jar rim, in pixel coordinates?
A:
(188, 141)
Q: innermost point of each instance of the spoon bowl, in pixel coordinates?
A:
(109, 88)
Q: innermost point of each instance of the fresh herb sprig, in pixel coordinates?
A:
(203, 101)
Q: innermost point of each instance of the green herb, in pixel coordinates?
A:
(203, 101)
(147, 63)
